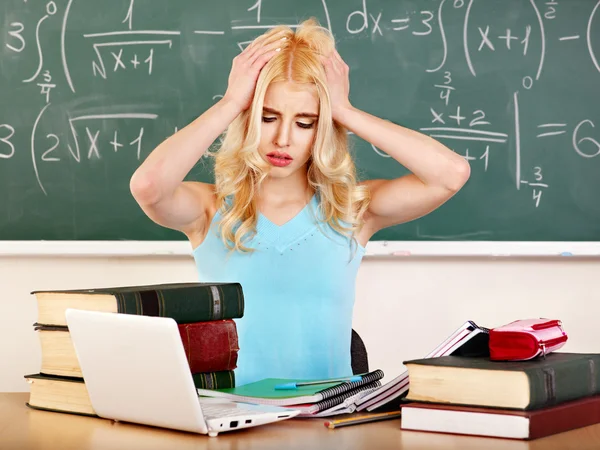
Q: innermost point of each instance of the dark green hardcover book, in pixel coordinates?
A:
(183, 302)
(525, 385)
(214, 380)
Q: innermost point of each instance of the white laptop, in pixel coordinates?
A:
(135, 370)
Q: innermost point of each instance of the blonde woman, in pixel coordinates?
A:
(287, 217)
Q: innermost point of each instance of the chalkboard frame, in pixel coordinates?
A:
(437, 246)
(375, 249)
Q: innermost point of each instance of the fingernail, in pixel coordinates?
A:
(283, 38)
(278, 49)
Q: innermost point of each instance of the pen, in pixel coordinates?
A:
(290, 386)
(331, 424)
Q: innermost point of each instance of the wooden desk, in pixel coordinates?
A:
(24, 428)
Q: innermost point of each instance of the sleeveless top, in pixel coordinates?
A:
(299, 287)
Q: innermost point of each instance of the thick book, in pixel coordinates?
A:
(61, 394)
(69, 394)
(183, 302)
(264, 392)
(469, 339)
(214, 380)
(524, 385)
(504, 423)
(209, 347)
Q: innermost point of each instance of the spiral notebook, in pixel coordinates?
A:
(340, 404)
(263, 392)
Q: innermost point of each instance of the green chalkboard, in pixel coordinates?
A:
(89, 88)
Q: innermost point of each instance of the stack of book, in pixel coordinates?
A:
(203, 312)
(513, 399)
(314, 398)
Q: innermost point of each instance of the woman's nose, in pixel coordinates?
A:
(282, 138)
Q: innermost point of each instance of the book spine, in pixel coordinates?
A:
(185, 304)
(569, 416)
(210, 346)
(569, 380)
(214, 380)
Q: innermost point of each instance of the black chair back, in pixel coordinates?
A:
(358, 354)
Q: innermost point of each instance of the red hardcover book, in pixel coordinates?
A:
(506, 423)
(210, 346)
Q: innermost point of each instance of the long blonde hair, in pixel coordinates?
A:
(240, 170)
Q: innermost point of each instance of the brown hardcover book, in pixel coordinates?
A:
(505, 423)
(209, 347)
(526, 385)
(69, 394)
(183, 302)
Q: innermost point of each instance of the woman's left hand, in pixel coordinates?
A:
(338, 81)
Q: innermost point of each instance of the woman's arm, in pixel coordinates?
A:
(157, 185)
(437, 172)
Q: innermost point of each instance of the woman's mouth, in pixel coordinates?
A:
(279, 159)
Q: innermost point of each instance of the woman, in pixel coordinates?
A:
(286, 216)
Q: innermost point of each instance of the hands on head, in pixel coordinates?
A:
(246, 68)
(338, 82)
(248, 64)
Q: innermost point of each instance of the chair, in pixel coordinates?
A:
(358, 354)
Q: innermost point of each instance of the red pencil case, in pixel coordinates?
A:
(526, 339)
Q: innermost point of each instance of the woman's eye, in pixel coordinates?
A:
(269, 119)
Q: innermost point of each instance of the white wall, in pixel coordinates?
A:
(404, 306)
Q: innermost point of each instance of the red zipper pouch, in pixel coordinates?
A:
(526, 339)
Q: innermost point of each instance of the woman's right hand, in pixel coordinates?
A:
(247, 66)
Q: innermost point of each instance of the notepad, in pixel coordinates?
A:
(264, 392)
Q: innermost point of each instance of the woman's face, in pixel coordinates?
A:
(289, 126)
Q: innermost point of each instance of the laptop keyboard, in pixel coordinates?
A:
(216, 411)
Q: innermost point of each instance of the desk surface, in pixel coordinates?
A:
(24, 428)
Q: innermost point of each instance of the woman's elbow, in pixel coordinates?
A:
(144, 188)
(461, 171)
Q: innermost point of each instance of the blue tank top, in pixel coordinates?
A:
(299, 287)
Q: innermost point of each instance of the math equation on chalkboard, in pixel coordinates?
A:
(90, 88)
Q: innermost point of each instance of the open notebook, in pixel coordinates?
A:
(264, 392)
